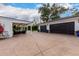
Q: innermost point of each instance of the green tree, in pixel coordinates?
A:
(45, 12)
(52, 12)
(75, 12)
(56, 10)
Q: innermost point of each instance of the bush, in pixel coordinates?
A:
(34, 28)
(29, 27)
(18, 29)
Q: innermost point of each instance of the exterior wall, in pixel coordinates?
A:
(48, 27)
(39, 28)
(77, 25)
(75, 19)
(7, 24)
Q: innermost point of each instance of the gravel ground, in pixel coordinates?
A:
(40, 44)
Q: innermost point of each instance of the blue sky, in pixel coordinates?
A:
(34, 6)
(19, 10)
(27, 11)
(23, 5)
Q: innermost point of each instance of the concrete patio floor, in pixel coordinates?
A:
(40, 44)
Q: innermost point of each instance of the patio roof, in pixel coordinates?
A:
(14, 19)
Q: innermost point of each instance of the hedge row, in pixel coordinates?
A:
(34, 28)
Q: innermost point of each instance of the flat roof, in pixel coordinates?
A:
(64, 18)
(14, 19)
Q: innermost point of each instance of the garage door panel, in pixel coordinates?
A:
(66, 28)
(43, 28)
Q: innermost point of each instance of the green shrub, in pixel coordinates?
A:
(34, 28)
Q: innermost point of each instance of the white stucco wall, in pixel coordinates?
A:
(75, 20)
(48, 27)
(77, 25)
(7, 24)
(39, 27)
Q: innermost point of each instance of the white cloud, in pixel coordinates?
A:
(38, 5)
(10, 11)
(25, 14)
(66, 5)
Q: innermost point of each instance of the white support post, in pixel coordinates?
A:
(31, 28)
(48, 28)
(39, 28)
(27, 28)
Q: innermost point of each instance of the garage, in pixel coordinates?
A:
(11, 26)
(64, 28)
(43, 28)
(66, 25)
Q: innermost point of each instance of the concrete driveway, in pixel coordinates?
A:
(40, 44)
